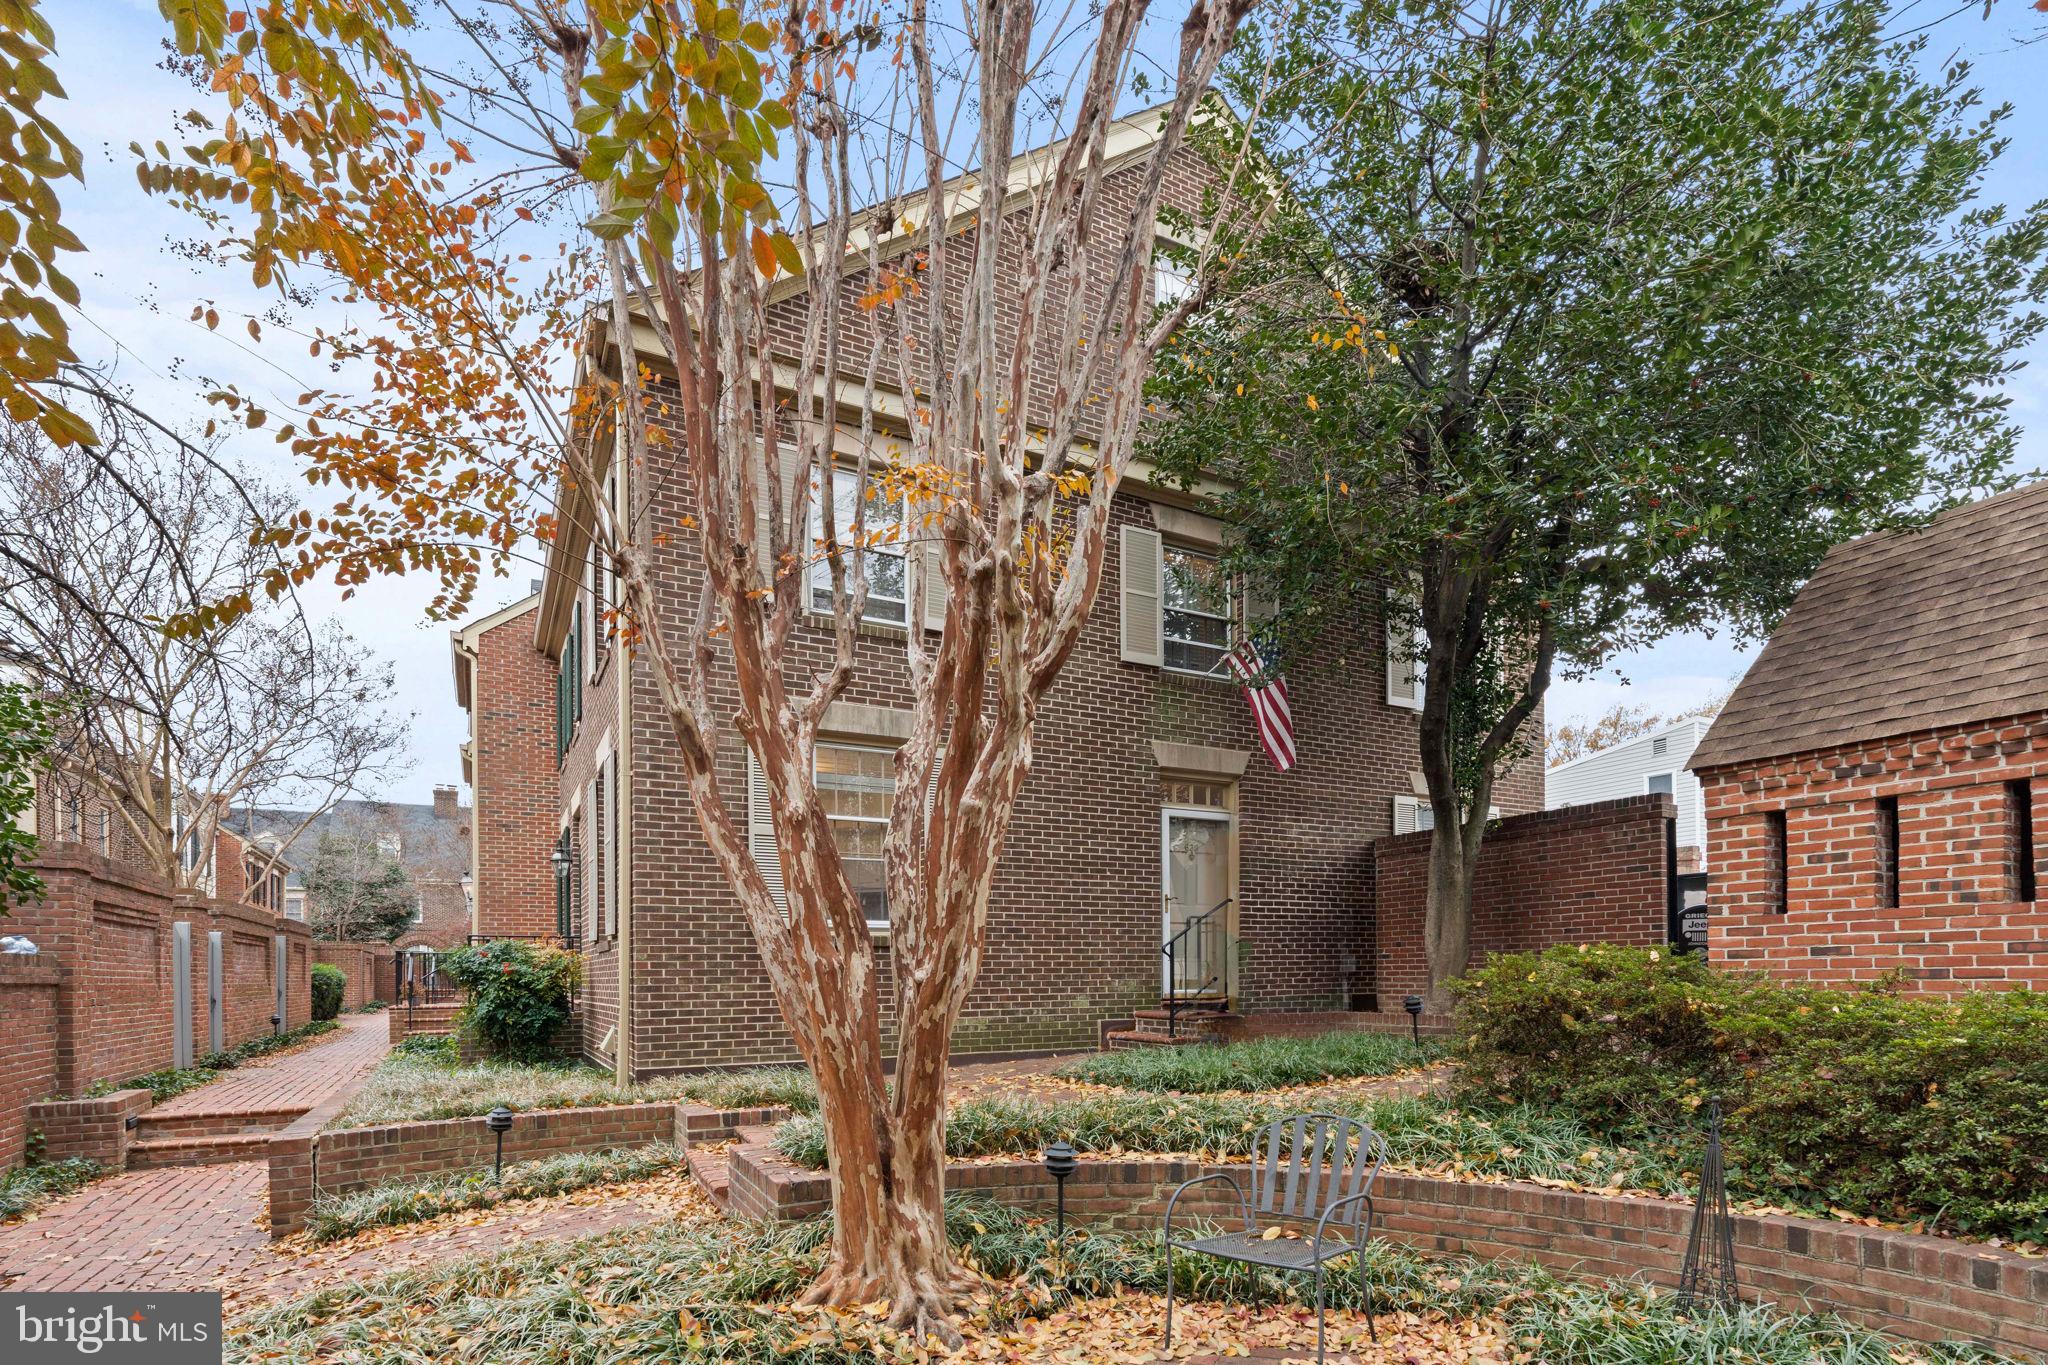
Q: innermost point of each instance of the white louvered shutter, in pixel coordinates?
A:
(761, 832)
(1412, 815)
(934, 586)
(1404, 681)
(764, 537)
(1141, 585)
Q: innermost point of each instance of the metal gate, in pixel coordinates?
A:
(216, 1033)
(277, 1021)
(181, 994)
(1685, 915)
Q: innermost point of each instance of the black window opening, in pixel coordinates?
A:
(1888, 852)
(2019, 802)
(1777, 882)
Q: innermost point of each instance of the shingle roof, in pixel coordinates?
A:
(1900, 632)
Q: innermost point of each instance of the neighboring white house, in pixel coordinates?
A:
(1654, 762)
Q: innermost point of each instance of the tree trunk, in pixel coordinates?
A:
(1447, 916)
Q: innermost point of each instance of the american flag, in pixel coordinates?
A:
(1265, 691)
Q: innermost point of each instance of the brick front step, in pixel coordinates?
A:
(1125, 1039)
(226, 1123)
(197, 1151)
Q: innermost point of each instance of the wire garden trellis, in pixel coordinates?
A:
(1708, 1275)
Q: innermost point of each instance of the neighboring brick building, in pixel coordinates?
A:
(443, 918)
(1149, 799)
(1877, 787)
(508, 688)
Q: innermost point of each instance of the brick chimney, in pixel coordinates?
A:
(445, 803)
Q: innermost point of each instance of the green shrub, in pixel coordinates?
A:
(444, 1048)
(330, 983)
(1908, 1107)
(372, 1006)
(333, 1217)
(518, 994)
(1258, 1064)
(25, 1189)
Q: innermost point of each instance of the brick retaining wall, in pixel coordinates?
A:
(97, 1129)
(1926, 1288)
(306, 1162)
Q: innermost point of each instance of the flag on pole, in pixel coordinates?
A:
(1265, 691)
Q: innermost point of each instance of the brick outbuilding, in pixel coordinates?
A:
(1877, 786)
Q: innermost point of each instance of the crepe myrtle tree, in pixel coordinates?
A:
(970, 345)
(1585, 322)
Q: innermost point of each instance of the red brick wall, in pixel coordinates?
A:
(106, 928)
(356, 1158)
(368, 967)
(517, 797)
(1592, 873)
(230, 877)
(1923, 1288)
(1956, 925)
(28, 1021)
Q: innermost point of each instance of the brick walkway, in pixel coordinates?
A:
(180, 1227)
(298, 1079)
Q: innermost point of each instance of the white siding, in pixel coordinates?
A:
(1624, 770)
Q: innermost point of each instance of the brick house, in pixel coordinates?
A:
(442, 916)
(507, 687)
(1877, 785)
(1149, 803)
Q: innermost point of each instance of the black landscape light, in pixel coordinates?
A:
(1413, 1004)
(499, 1121)
(1059, 1164)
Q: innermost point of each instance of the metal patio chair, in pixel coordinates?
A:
(1310, 1167)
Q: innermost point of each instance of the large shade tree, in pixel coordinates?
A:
(1588, 321)
(964, 330)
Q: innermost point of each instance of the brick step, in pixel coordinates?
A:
(714, 1172)
(755, 1134)
(1118, 1040)
(224, 1123)
(197, 1151)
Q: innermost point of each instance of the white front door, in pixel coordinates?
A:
(1195, 873)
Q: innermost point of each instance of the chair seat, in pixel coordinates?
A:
(1283, 1253)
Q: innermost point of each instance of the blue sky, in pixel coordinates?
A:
(138, 293)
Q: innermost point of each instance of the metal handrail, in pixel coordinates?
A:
(1195, 951)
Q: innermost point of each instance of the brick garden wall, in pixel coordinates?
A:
(1575, 875)
(370, 969)
(1926, 1288)
(1958, 923)
(104, 972)
(28, 1020)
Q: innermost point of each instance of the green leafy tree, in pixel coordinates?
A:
(356, 890)
(1589, 321)
(27, 732)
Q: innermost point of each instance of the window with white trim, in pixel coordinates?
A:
(888, 586)
(1171, 282)
(1665, 784)
(1198, 612)
(857, 787)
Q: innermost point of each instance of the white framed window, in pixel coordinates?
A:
(1171, 281)
(857, 787)
(1412, 815)
(1407, 653)
(1665, 784)
(419, 910)
(888, 586)
(1199, 612)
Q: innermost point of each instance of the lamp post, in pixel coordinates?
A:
(1059, 1164)
(499, 1121)
(1413, 1004)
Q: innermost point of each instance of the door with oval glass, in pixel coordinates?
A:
(1195, 870)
